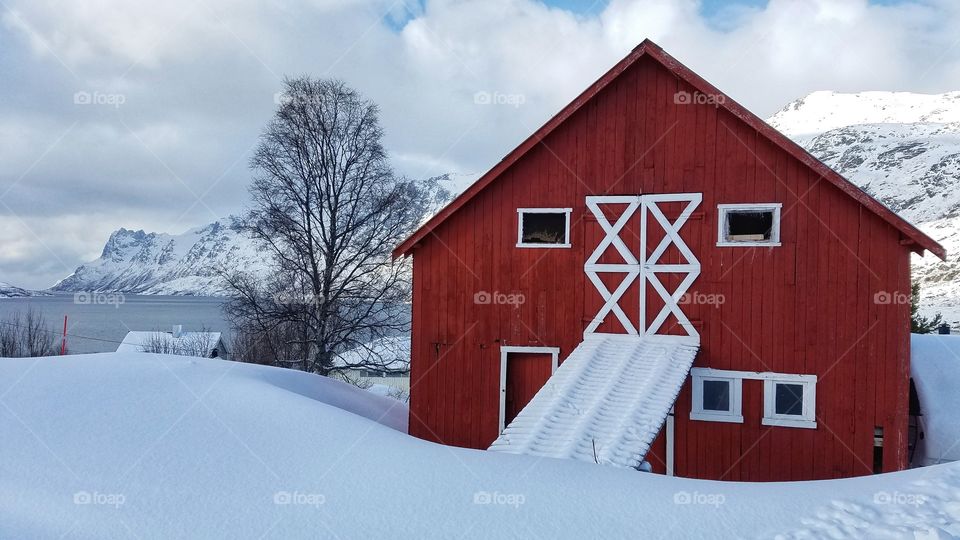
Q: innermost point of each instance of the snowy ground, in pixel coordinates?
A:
(935, 368)
(144, 446)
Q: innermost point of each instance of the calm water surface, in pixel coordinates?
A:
(98, 323)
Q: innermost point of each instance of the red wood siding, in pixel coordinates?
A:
(805, 307)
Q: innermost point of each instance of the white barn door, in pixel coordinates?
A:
(645, 265)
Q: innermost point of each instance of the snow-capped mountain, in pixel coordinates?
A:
(9, 291)
(904, 149)
(137, 262)
(820, 112)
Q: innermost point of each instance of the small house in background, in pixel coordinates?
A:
(658, 275)
(384, 361)
(178, 342)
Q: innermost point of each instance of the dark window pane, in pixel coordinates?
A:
(716, 396)
(544, 228)
(749, 226)
(789, 399)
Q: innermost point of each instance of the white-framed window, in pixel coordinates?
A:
(717, 395)
(790, 401)
(543, 227)
(750, 224)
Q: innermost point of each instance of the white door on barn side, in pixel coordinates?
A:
(629, 258)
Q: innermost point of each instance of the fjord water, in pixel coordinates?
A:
(98, 322)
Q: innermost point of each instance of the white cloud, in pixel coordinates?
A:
(198, 80)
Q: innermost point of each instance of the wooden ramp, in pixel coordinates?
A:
(607, 401)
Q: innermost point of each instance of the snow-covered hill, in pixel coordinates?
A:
(137, 262)
(159, 446)
(904, 149)
(10, 291)
(822, 111)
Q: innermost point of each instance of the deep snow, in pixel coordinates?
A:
(935, 368)
(147, 446)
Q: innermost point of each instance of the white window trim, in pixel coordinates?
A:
(505, 351)
(734, 415)
(522, 211)
(806, 420)
(724, 209)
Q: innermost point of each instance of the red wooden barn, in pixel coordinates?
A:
(658, 275)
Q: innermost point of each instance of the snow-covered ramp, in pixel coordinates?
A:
(606, 402)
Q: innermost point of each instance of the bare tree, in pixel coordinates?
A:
(26, 335)
(190, 344)
(282, 344)
(328, 209)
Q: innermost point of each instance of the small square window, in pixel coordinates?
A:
(543, 227)
(716, 396)
(790, 401)
(749, 224)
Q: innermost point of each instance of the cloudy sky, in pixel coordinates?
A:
(173, 95)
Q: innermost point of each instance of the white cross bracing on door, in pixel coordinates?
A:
(647, 268)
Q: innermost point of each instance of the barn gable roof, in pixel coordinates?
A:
(914, 237)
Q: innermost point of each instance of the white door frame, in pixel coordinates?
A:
(505, 350)
(644, 268)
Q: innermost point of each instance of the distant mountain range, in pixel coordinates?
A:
(137, 262)
(10, 291)
(903, 149)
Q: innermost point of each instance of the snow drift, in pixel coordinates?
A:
(148, 446)
(935, 368)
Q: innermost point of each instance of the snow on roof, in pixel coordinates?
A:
(935, 368)
(186, 344)
(606, 403)
(389, 353)
(121, 445)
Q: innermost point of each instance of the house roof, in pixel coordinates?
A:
(187, 344)
(606, 403)
(914, 237)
